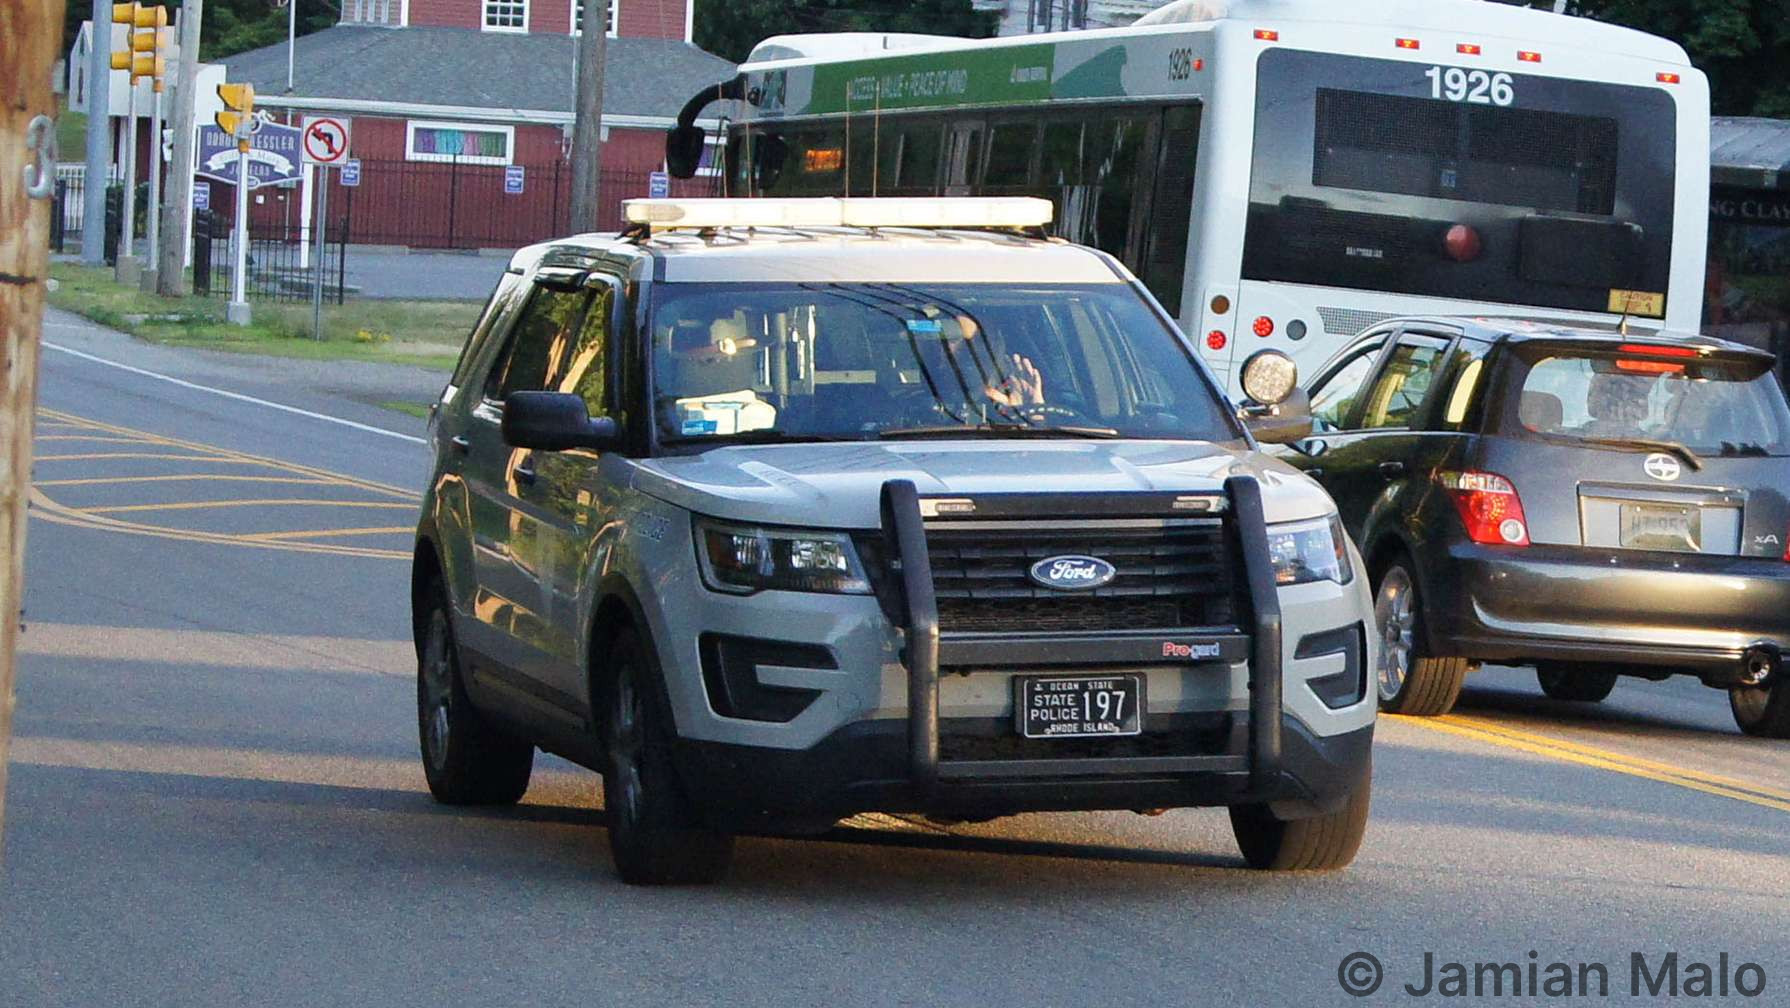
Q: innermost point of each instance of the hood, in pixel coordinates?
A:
(840, 485)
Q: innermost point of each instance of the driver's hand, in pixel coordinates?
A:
(1023, 386)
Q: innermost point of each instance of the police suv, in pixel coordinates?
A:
(776, 511)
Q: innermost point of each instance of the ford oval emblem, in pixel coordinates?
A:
(1073, 573)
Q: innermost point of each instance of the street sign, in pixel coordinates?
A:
(658, 185)
(274, 155)
(350, 174)
(201, 195)
(512, 180)
(325, 140)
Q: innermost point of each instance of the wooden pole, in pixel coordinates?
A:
(177, 194)
(587, 117)
(32, 30)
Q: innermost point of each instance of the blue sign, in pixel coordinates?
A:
(274, 155)
(201, 195)
(658, 185)
(512, 180)
(350, 173)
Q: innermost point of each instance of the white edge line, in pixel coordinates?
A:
(238, 396)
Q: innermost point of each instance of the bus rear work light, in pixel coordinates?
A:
(866, 212)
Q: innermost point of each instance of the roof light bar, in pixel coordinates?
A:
(915, 212)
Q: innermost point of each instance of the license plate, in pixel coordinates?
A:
(1662, 527)
(1079, 707)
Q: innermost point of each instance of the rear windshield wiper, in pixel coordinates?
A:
(1648, 444)
(1000, 431)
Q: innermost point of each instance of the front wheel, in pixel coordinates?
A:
(1579, 683)
(1410, 681)
(656, 834)
(1762, 711)
(1320, 843)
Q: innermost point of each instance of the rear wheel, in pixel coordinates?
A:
(1320, 843)
(1763, 711)
(465, 759)
(1410, 681)
(656, 834)
(1580, 683)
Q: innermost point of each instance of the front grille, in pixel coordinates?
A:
(1171, 574)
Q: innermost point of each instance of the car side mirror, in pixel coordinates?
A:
(683, 150)
(1287, 422)
(554, 421)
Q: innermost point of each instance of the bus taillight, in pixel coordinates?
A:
(1264, 326)
(1215, 340)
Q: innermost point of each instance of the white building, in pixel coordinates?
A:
(1020, 17)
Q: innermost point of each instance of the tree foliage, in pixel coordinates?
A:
(229, 26)
(1743, 45)
(730, 28)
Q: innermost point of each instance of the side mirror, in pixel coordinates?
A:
(683, 150)
(554, 421)
(1286, 422)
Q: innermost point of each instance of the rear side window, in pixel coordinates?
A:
(1396, 395)
(1334, 400)
(510, 289)
(1720, 407)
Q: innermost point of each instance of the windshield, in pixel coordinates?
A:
(1451, 181)
(861, 361)
(1715, 408)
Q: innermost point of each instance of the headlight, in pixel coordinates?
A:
(743, 559)
(1308, 551)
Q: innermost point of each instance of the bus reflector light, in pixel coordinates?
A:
(1199, 63)
(1296, 330)
(1667, 78)
(1528, 57)
(1467, 49)
(1264, 326)
(1215, 340)
(1409, 43)
(1462, 243)
(1267, 35)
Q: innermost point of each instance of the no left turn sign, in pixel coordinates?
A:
(324, 140)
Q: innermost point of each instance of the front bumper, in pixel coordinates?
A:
(1672, 612)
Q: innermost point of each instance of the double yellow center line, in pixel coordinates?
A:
(1499, 734)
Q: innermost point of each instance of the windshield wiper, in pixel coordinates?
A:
(1648, 444)
(1000, 431)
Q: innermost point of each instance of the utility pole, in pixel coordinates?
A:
(587, 116)
(177, 196)
(32, 29)
(99, 136)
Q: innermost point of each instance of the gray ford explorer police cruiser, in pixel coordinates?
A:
(775, 511)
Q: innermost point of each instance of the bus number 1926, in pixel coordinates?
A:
(1474, 86)
(1180, 64)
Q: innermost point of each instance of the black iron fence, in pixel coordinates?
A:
(282, 266)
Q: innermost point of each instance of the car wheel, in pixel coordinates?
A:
(1581, 683)
(1410, 681)
(656, 835)
(1320, 843)
(465, 759)
(1763, 711)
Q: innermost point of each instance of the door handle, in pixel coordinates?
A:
(524, 474)
(1392, 470)
(461, 443)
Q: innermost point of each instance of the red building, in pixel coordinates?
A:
(450, 97)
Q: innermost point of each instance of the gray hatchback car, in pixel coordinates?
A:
(1592, 503)
(773, 525)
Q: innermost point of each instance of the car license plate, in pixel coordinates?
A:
(1079, 707)
(1662, 527)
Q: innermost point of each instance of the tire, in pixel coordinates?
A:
(656, 834)
(1410, 681)
(1763, 711)
(1578, 683)
(1320, 843)
(467, 761)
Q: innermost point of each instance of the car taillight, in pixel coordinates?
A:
(1787, 549)
(1489, 507)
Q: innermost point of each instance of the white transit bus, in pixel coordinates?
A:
(1280, 173)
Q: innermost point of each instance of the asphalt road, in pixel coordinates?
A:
(216, 799)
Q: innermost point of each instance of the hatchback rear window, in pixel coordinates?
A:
(1721, 406)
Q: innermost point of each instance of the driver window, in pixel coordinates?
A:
(540, 342)
(1403, 384)
(1334, 399)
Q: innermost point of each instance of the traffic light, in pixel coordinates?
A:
(239, 112)
(150, 41)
